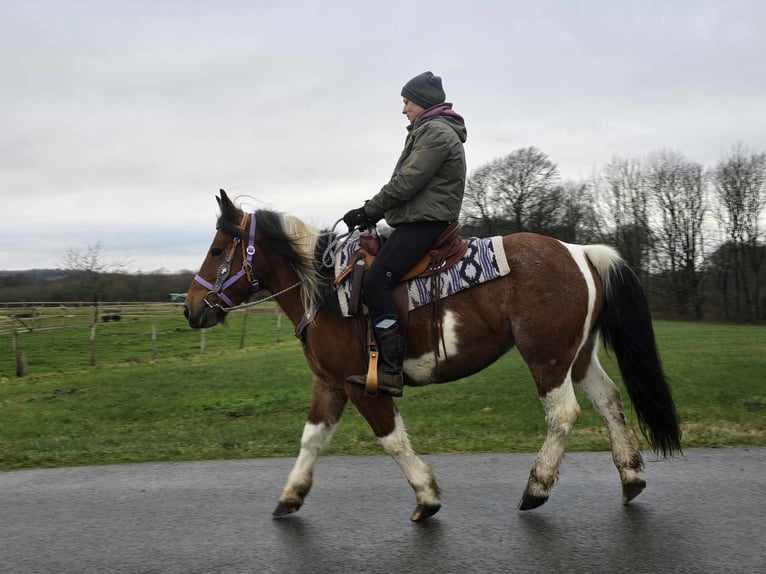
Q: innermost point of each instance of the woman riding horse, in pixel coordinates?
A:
(422, 198)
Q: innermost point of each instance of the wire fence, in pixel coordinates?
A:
(47, 336)
(46, 315)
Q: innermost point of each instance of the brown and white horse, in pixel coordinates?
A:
(553, 305)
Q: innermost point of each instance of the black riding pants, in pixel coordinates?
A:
(406, 245)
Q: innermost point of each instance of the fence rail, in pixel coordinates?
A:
(51, 315)
(44, 335)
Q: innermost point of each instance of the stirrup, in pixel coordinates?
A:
(370, 380)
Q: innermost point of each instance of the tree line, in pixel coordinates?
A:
(88, 276)
(693, 234)
(67, 285)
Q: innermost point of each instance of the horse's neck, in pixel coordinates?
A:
(289, 302)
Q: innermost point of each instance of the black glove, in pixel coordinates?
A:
(355, 218)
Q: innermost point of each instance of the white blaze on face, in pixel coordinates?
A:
(421, 368)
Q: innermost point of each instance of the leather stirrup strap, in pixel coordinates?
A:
(371, 384)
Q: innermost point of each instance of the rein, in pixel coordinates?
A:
(222, 279)
(336, 241)
(261, 300)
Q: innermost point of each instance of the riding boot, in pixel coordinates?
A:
(391, 350)
(390, 363)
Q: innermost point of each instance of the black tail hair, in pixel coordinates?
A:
(626, 327)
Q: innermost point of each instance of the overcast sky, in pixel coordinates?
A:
(120, 120)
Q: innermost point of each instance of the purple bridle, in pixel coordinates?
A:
(222, 279)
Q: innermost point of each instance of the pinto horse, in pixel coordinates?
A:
(553, 305)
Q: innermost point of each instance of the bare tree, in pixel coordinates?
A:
(480, 209)
(91, 269)
(739, 182)
(625, 208)
(677, 187)
(526, 181)
(518, 192)
(576, 217)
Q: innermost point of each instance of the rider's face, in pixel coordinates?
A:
(412, 110)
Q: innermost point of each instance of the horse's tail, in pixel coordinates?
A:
(626, 326)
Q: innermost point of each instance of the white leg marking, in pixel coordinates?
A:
(315, 438)
(421, 368)
(605, 396)
(561, 413)
(418, 473)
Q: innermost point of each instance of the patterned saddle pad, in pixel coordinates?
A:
(478, 265)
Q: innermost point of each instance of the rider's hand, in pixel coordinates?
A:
(355, 218)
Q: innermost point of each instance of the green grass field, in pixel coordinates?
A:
(248, 393)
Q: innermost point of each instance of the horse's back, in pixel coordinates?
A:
(539, 262)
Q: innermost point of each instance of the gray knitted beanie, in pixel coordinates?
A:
(425, 90)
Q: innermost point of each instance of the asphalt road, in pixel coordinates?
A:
(704, 512)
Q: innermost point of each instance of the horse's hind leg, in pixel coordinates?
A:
(561, 413)
(327, 406)
(605, 396)
(386, 422)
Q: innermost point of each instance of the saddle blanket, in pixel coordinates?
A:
(478, 265)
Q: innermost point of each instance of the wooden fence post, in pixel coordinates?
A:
(93, 344)
(202, 340)
(244, 329)
(20, 358)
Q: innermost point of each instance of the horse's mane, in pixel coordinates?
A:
(301, 246)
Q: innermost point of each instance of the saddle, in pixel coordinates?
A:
(446, 251)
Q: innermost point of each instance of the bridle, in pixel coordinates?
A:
(222, 279)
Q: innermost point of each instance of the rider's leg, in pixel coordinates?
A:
(401, 251)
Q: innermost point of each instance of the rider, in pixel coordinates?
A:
(422, 198)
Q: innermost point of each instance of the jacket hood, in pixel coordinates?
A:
(445, 112)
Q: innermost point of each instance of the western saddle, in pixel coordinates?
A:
(447, 250)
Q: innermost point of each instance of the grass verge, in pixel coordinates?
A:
(231, 403)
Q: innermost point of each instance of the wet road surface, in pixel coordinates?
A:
(704, 512)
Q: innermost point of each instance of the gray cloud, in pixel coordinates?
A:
(120, 121)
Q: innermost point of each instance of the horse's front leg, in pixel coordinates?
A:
(386, 422)
(327, 404)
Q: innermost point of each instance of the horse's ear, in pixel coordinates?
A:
(225, 204)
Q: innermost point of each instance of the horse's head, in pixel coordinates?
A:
(226, 278)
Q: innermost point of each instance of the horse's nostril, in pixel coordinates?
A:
(186, 312)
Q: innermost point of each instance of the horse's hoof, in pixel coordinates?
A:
(530, 501)
(632, 489)
(424, 511)
(285, 509)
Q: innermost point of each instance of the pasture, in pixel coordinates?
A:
(160, 391)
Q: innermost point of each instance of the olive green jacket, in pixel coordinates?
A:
(428, 182)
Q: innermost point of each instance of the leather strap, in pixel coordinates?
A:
(371, 384)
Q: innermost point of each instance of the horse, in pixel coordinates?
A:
(555, 303)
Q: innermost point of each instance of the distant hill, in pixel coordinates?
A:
(68, 285)
(37, 274)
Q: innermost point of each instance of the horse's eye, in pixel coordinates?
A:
(216, 251)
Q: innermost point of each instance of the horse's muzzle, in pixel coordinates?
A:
(193, 322)
(207, 317)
